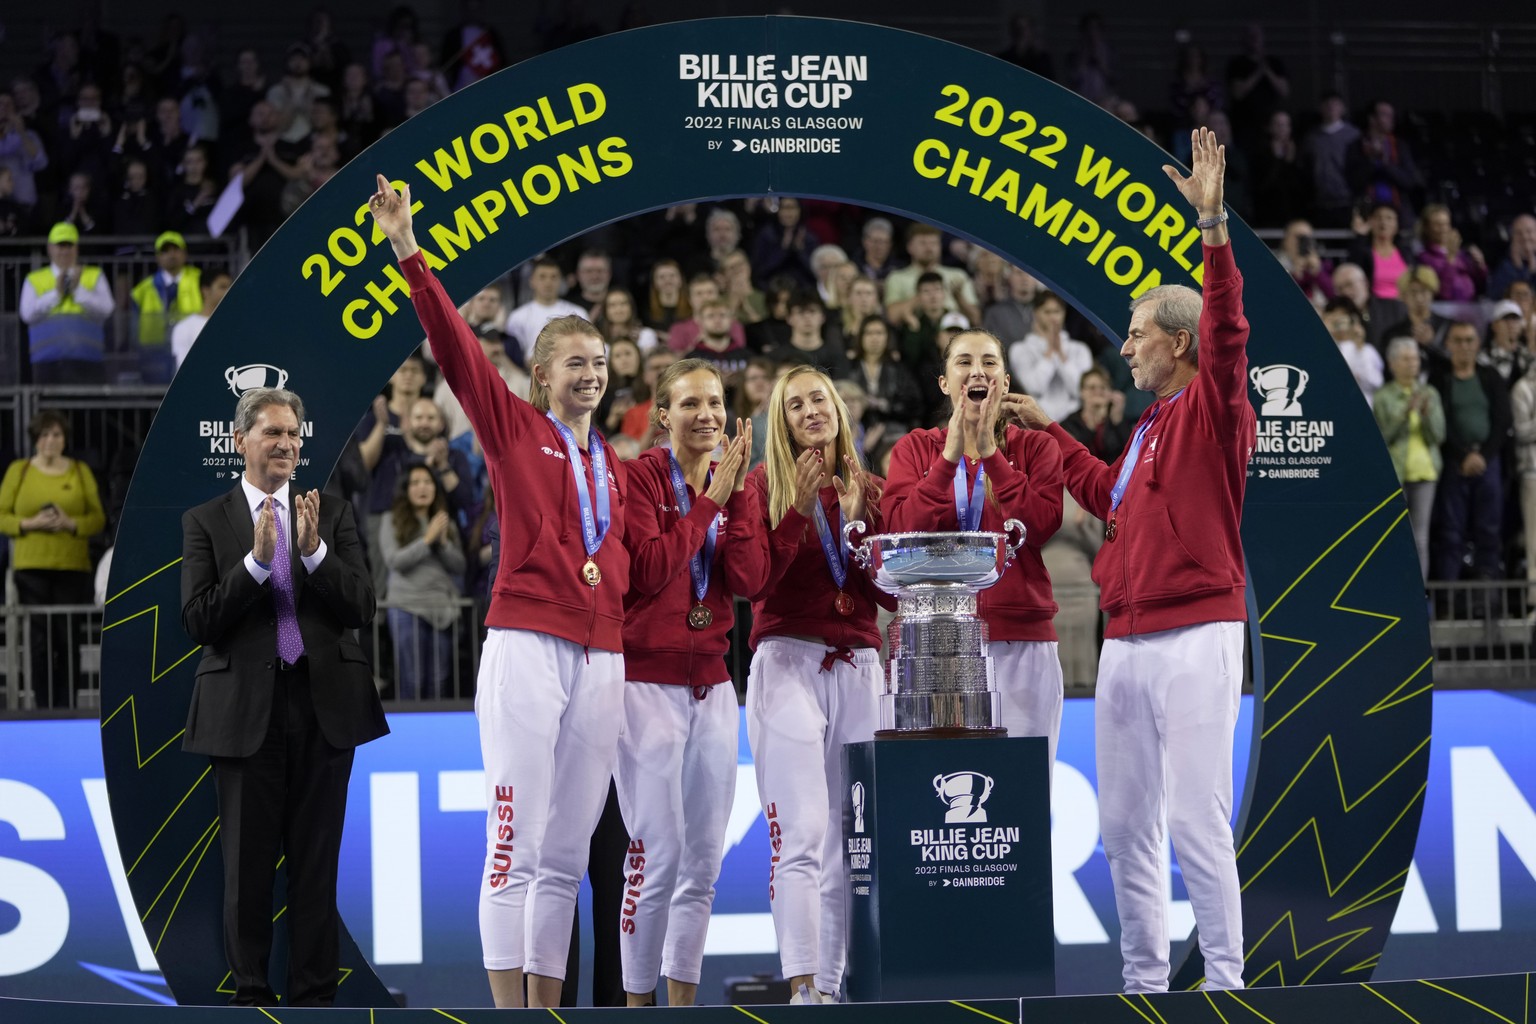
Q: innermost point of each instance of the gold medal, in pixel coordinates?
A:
(843, 603)
(591, 574)
(700, 617)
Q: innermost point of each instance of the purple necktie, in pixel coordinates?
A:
(290, 643)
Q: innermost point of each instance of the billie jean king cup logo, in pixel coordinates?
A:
(964, 792)
(255, 375)
(1281, 384)
(858, 806)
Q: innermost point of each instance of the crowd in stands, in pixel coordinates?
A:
(1432, 312)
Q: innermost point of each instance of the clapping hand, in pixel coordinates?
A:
(266, 534)
(307, 507)
(726, 470)
(852, 489)
(1027, 411)
(437, 527)
(809, 474)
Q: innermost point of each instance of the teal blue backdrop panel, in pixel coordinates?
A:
(752, 106)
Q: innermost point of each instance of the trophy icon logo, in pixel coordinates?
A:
(964, 793)
(857, 792)
(255, 375)
(1281, 385)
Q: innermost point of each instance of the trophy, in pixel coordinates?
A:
(938, 680)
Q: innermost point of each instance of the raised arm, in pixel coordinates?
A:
(497, 415)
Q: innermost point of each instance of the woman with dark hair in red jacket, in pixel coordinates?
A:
(695, 540)
(975, 474)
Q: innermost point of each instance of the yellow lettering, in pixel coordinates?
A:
(584, 167)
(1136, 190)
(1123, 265)
(586, 114)
(489, 205)
(447, 165)
(499, 148)
(617, 162)
(1167, 225)
(551, 190)
(1081, 228)
(523, 123)
(551, 122)
(1035, 206)
(357, 330)
(1098, 174)
(466, 231)
(396, 284)
(1152, 280)
(961, 169)
(1006, 188)
(919, 162)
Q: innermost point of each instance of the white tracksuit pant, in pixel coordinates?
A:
(798, 718)
(550, 715)
(1164, 714)
(1028, 674)
(676, 781)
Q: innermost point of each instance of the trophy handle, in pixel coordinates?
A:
(860, 552)
(1013, 545)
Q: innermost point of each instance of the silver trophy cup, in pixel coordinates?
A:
(938, 680)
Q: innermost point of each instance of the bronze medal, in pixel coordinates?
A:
(591, 574)
(700, 617)
(1109, 531)
(843, 602)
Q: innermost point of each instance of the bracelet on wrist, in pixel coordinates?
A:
(1206, 223)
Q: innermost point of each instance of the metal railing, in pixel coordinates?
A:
(125, 260)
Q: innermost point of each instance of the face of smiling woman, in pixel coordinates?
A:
(576, 375)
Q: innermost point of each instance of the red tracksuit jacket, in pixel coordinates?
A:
(1177, 556)
(1025, 473)
(659, 645)
(538, 583)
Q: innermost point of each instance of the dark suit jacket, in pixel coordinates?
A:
(232, 616)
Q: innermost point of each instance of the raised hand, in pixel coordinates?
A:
(986, 426)
(724, 481)
(1203, 187)
(266, 534)
(437, 526)
(808, 474)
(852, 488)
(307, 508)
(392, 211)
(954, 439)
(744, 433)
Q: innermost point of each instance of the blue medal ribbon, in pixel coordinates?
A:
(703, 560)
(1133, 453)
(968, 506)
(594, 527)
(837, 556)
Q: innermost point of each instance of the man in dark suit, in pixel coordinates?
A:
(274, 587)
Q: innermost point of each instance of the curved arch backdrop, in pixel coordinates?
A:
(750, 106)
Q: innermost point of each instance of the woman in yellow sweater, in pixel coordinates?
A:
(49, 503)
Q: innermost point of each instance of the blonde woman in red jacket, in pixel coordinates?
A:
(815, 668)
(695, 540)
(549, 697)
(975, 474)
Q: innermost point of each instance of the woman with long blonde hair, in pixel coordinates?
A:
(815, 667)
(975, 474)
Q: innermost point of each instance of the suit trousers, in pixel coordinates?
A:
(289, 800)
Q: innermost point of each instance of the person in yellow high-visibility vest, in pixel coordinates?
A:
(162, 299)
(64, 306)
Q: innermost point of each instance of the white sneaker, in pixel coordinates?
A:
(804, 996)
